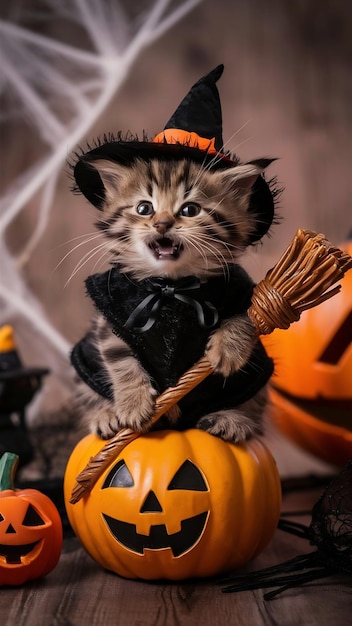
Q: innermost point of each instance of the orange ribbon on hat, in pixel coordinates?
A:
(186, 138)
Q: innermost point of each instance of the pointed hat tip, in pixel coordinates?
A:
(217, 72)
(213, 76)
(200, 110)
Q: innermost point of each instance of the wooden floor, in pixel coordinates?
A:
(78, 591)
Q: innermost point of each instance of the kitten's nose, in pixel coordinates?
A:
(164, 224)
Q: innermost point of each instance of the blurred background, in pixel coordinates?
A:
(72, 70)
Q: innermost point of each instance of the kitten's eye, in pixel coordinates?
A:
(145, 208)
(190, 210)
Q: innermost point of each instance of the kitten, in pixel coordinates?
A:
(173, 220)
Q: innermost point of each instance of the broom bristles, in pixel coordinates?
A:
(302, 278)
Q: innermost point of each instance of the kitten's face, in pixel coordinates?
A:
(175, 219)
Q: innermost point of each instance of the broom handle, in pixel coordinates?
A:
(97, 464)
(188, 381)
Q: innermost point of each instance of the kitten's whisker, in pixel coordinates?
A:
(242, 142)
(237, 132)
(100, 261)
(199, 250)
(226, 245)
(200, 173)
(199, 233)
(218, 242)
(204, 245)
(82, 243)
(85, 259)
(218, 157)
(216, 252)
(65, 243)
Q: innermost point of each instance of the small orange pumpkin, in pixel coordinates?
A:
(30, 529)
(312, 384)
(176, 505)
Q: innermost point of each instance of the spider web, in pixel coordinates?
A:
(62, 61)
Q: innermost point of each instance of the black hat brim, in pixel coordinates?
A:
(127, 152)
(89, 183)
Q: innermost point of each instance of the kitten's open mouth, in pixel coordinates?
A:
(165, 248)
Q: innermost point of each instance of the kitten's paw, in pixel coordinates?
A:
(221, 362)
(230, 425)
(105, 424)
(230, 346)
(132, 410)
(135, 406)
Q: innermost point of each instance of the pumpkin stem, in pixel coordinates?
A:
(8, 467)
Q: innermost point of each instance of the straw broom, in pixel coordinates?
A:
(302, 278)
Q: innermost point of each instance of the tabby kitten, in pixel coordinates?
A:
(173, 220)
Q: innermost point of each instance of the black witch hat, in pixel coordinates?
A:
(193, 132)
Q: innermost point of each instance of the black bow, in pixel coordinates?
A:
(161, 289)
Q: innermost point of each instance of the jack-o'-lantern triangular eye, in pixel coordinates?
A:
(32, 518)
(119, 476)
(188, 477)
(1, 518)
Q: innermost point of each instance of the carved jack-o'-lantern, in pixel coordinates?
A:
(176, 505)
(30, 529)
(312, 383)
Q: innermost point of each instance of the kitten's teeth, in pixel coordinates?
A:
(165, 249)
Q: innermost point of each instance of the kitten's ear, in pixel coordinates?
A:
(242, 177)
(110, 174)
(98, 180)
(247, 181)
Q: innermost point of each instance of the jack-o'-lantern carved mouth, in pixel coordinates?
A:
(158, 538)
(13, 554)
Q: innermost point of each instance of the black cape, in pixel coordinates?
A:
(167, 324)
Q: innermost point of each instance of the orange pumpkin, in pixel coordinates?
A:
(312, 383)
(175, 505)
(30, 529)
